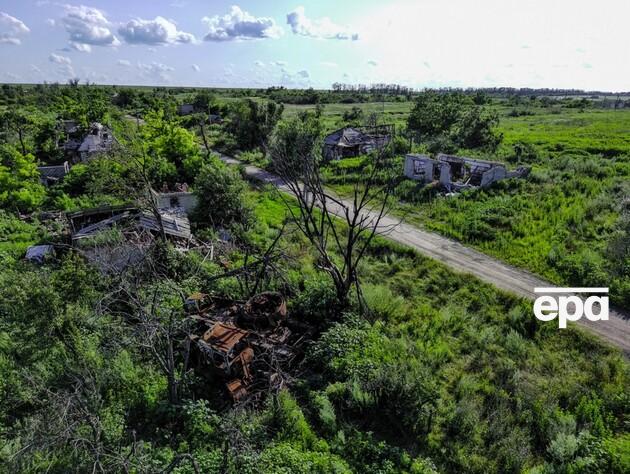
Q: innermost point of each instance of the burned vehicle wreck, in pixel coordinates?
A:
(248, 345)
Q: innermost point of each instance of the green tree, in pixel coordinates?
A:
(173, 151)
(19, 180)
(221, 194)
(453, 120)
(251, 122)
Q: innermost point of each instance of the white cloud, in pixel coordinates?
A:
(81, 47)
(156, 70)
(66, 71)
(279, 63)
(297, 79)
(51, 22)
(11, 28)
(157, 31)
(259, 64)
(59, 59)
(329, 64)
(87, 26)
(372, 62)
(240, 25)
(320, 28)
(124, 63)
(195, 68)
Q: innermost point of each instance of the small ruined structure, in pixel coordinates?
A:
(115, 237)
(98, 142)
(72, 136)
(215, 119)
(180, 202)
(456, 173)
(247, 344)
(49, 175)
(79, 146)
(91, 221)
(353, 141)
(185, 109)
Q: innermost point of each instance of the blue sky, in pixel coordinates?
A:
(421, 43)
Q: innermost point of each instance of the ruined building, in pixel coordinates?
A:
(80, 146)
(456, 173)
(354, 141)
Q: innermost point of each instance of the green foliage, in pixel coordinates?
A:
(220, 191)
(173, 151)
(451, 120)
(295, 143)
(20, 188)
(251, 122)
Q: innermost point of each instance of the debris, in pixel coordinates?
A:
(90, 221)
(173, 225)
(177, 202)
(268, 308)
(39, 253)
(113, 238)
(99, 141)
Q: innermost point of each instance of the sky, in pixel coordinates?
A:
(254, 43)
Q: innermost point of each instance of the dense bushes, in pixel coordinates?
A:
(451, 121)
(220, 194)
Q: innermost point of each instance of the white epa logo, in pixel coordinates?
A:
(570, 307)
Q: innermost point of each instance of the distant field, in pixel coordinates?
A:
(393, 112)
(552, 129)
(594, 131)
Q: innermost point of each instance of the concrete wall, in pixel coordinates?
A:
(493, 174)
(183, 200)
(422, 163)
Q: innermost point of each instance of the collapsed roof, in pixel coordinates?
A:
(455, 173)
(353, 141)
(91, 221)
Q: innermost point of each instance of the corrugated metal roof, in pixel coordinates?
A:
(53, 172)
(177, 226)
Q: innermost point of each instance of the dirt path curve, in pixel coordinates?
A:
(467, 260)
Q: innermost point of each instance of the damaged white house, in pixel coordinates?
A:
(99, 141)
(455, 173)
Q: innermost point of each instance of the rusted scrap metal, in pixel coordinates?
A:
(268, 308)
(223, 337)
(247, 343)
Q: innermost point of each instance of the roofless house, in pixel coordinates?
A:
(354, 141)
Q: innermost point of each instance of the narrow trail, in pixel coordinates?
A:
(467, 260)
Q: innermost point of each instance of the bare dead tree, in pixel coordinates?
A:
(340, 229)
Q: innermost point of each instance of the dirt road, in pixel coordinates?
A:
(464, 259)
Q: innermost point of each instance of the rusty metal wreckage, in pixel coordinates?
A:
(247, 344)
